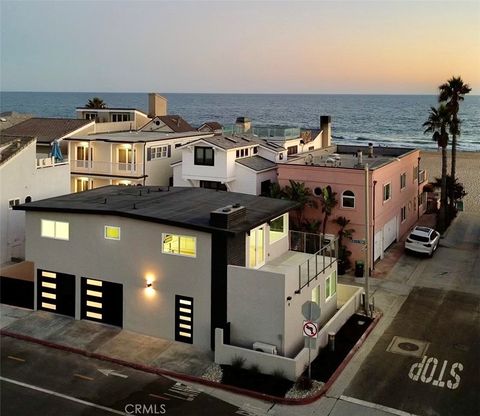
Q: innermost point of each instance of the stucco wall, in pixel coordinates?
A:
(37, 183)
(218, 172)
(129, 261)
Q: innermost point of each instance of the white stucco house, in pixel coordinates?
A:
(25, 175)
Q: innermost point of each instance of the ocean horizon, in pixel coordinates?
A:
(383, 119)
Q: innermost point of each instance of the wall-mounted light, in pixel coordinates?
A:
(289, 298)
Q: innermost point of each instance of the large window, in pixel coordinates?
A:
(204, 156)
(387, 192)
(403, 180)
(278, 228)
(116, 117)
(331, 285)
(348, 199)
(403, 213)
(292, 150)
(55, 229)
(182, 245)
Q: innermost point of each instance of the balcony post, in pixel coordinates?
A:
(308, 272)
(299, 278)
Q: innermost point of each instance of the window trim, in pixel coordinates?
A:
(403, 175)
(112, 238)
(389, 184)
(154, 152)
(283, 234)
(55, 237)
(192, 256)
(350, 197)
(403, 214)
(329, 280)
(203, 159)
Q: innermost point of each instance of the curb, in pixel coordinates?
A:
(199, 380)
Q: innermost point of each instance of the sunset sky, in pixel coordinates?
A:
(406, 47)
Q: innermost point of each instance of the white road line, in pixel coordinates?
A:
(54, 393)
(376, 406)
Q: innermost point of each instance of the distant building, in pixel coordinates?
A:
(395, 190)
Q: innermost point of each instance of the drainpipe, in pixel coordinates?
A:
(418, 188)
(366, 270)
(373, 225)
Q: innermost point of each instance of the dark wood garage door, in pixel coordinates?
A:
(102, 301)
(56, 292)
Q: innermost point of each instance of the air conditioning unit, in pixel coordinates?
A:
(266, 348)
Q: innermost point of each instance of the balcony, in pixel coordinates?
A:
(264, 132)
(49, 162)
(91, 167)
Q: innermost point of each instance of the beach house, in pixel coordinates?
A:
(395, 189)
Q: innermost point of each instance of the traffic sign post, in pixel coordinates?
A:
(311, 312)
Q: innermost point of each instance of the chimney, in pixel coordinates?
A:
(227, 216)
(370, 150)
(243, 125)
(157, 105)
(326, 127)
(360, 157)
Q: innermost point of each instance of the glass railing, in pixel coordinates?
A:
(264, 132)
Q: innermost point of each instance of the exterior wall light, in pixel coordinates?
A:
(149, 283)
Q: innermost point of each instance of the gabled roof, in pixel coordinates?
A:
(176, 123)
(47, 129)
(11, 145)
(257, 163)
(211, 125)
(181, 207)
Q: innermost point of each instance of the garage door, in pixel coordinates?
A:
(56, 292)
(389, 233)
(102, 301)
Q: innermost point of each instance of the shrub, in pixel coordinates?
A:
(254, 368)
(304, 383)
(237, 362)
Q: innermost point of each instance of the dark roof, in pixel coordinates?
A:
(257, 163)
(176, 123)
(182, 207)
(47, 129)
(212, 125)
(11, 118)
(231, 142)
(11, 145)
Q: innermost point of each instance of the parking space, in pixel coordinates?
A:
(426, 362)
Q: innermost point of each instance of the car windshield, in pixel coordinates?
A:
(419, 238)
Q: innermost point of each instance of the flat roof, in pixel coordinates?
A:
(136, 136)
(176, 206)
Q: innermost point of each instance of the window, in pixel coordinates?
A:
(331, 285)
(278, 228)
(183, 245)
(116, 117)
(387, 192)
(90, 116)
(316, 295)
(403, 180)
(255, 150)
(159, 152)
(112, 232)
(55, 229)
(81, 184)
(415, 173)
(204, 156)
(13, 202)
(292, 150)
(256, 247)
(348, 199)
(403, 213)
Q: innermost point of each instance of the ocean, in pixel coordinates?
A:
(356, 119)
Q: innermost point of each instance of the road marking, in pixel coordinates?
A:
(83, 377)
(63, 396)
(112, 373)
(376, 406)
(158, 397)
(182, 392)
(426, 369)
(12, 357)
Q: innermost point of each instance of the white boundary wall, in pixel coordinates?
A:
(292, 368)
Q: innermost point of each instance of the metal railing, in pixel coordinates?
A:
(91, 166)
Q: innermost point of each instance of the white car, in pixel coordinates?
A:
(422, 240)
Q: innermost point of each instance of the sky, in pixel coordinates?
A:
(312, 47)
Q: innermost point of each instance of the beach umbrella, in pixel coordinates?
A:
(56, 152)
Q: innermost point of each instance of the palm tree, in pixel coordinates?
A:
(328, 201)
(437, 124)
(452, 92)
(96, 102)
(298, 192)
(344, 253)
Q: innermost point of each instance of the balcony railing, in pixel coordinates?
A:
(264, 132)
(107, 168)
(48, 162)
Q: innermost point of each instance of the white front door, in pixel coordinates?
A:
(377, 250)
(256, 247)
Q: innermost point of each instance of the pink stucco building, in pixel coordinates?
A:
(395, 185)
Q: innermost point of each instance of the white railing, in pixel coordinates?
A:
(48, 162)
(123, 169)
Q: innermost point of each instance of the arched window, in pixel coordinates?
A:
(348, 199)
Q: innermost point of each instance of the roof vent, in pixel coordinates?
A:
(227, 216)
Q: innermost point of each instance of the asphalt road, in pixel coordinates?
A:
(37, 380)
(433, 368)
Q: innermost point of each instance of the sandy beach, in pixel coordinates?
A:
(468, 173)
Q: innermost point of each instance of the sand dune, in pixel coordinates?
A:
(468, 173)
